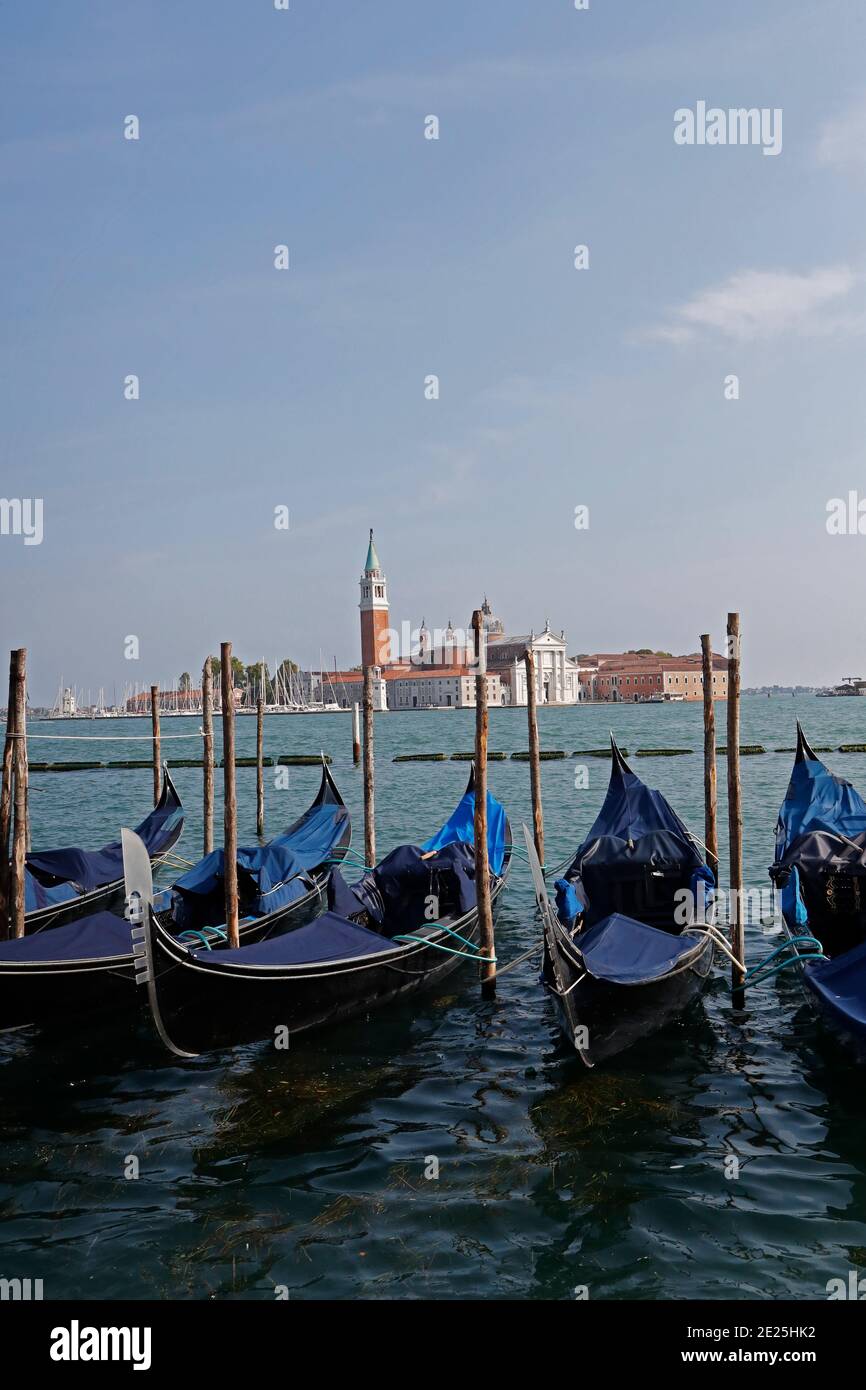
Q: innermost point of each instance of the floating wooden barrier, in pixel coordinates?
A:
(663, 752)
(467, 757)
(70, 767)
(421, 758)
(301, 760)
(745, 748)
(547, 756)
(816, 748)
(285, 760)
(596, 752)
(844, 748)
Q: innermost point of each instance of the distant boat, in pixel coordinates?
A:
(851, 685)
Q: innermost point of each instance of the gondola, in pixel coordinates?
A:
(88, 963)
(403, 927)
(820, 869)
(626, 949)
(63, 884)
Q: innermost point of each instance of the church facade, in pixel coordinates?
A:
(420, 669)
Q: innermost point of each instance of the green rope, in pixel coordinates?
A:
(806, 940)
(759, 973)
(424, 941)
(190, 934)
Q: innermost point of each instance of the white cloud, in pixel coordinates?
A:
(757, 304)
(842, 140)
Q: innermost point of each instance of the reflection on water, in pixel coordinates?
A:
(312, 1170)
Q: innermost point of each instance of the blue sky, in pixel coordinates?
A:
(305, 388)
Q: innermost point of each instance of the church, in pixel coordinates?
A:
(420, 669)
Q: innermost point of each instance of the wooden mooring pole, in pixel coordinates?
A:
(356, 734)
(482, 862)
(260, 765)
(6, 802)
(735, 814)
(157, 750)
(19, 822)
(207, 753)
(369, 772)
(534, 756)
(230, 802)
(711, 831)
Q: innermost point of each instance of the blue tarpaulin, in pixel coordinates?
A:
(328, 938)
(97, 937)
(625, 952)
(269, 876)
(817, 802)
(461, 826)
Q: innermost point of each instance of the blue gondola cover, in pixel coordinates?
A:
(623, 951)
(56, 876)
(269, 876)
(460, 826)
(97, 937)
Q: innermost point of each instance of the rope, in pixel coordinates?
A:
(518, 960)
(757, 974)
(754, 979)
(807, 940)
(423, 941)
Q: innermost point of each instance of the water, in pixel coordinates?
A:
(307, 1169)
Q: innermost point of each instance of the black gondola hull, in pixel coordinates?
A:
(207, 1004)
(602, 1020)
(47, 994)
(45, 991)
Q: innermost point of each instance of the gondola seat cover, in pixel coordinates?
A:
(625, 952)
(50, 873)
(97, 937)
(460, 827)
(269, 876)
(328, 938)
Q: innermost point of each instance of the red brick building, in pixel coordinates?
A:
(634, 677)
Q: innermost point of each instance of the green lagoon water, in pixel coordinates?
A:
(307, 1169)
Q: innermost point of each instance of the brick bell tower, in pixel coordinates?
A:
(375, 646)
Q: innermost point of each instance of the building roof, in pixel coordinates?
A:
(630, 663)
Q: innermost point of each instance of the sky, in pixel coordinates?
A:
(304, 388)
